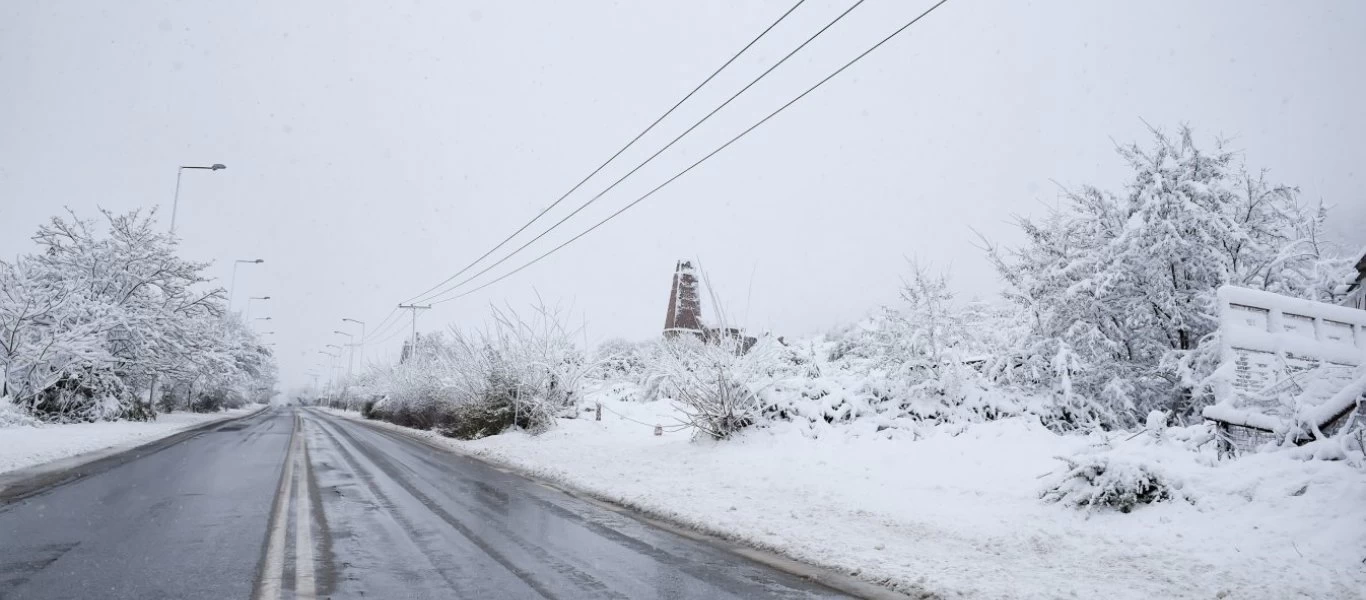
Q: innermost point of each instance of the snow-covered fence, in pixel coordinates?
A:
(1283, 365)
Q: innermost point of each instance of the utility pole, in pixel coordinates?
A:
(412, 349)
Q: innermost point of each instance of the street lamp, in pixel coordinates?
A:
(350, 359)
(232, 289)
(351, 351)
(176, 203)
(334, 367)
(362, 337)
(254, 298)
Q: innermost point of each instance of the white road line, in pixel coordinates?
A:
(275, 549)
(305, 587)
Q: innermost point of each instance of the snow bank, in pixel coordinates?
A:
(22, 447)
(957, 512)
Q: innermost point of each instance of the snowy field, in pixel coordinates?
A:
(26, 446)
(956, 513)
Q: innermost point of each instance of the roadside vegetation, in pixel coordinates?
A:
(1107, 324)
(106, 321)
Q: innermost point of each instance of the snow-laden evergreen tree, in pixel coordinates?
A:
(1118, 288)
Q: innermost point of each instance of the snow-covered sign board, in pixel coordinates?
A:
(1280, 355)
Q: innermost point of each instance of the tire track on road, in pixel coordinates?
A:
(440, 565)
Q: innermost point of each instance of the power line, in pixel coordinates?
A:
(383, 327)
(652, 156)
(780, 109)
(614, 156)
(396, 333)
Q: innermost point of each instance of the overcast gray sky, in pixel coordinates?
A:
(374, 148)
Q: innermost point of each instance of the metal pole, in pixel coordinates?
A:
(362, 337)
(232, 289)
(336, 373)
(350, 360)
(176, 202)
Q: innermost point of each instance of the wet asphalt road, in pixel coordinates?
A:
(301, 504)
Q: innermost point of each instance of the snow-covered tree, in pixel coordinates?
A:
(41, 344)
(106, 310)
(1117, 288)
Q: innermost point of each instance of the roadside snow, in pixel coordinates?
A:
(27, 446)
(960, 515)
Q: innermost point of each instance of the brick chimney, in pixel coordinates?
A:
(685, 308)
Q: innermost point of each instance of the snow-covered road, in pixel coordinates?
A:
(301, 504)
(957, 513)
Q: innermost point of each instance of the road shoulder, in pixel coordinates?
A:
(31, 479)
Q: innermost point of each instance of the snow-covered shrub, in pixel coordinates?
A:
(13, 416)
(715, 386)
(522, 372)
(623, 360)
(1348, 446)
(1107, 481)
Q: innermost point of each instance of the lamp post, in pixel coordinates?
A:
(351, 349)
(232, 289)
(350, 361)
(314, 376)
(333, 368)
(362, 337)
(176, 203)
(249, 303)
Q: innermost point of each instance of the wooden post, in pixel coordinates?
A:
(598, 416)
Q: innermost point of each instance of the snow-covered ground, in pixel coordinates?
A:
(27, 446)
(957, 512)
